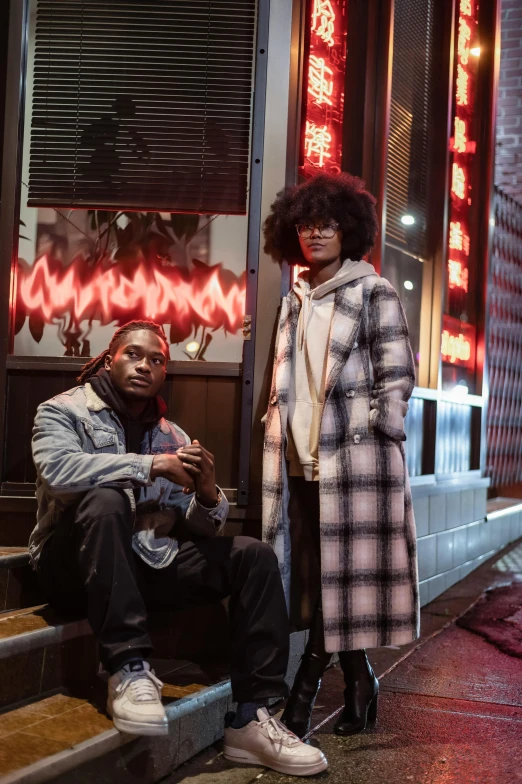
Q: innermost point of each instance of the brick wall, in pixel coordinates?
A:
(508, 162)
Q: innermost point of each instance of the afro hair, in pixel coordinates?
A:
(339, 197)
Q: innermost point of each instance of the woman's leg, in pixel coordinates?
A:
(360, 695)
(297, 715)
(304, 520)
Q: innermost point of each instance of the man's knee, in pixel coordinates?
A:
(104, 502)
(255, 551)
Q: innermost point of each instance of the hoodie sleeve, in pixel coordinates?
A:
(392, 360)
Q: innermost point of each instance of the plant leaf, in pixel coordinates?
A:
(36, 326)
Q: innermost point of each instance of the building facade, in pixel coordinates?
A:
(135, 181)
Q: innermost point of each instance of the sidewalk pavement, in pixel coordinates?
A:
(450, 708)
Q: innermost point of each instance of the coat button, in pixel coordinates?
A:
(273, 400)
(355, 345)
(140, 475)
(357, 439)
(350, 393)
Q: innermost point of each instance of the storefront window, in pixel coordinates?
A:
(83, 272)
(407, 256)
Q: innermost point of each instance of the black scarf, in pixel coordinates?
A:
(134, 427)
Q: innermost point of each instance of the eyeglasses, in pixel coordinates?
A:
(326, 231)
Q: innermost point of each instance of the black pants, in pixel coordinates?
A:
(89, 565)
(305, 535)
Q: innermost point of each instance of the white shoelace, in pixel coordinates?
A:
(144, 686)
(278, 732)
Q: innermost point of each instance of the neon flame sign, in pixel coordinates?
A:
(205, 297)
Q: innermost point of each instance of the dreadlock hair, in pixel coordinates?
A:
(92, 367)
(339, 197)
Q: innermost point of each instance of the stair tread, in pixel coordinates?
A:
(74, 728)
(38, 731)
(10, 557)
(31, 627)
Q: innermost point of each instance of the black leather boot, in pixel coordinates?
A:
(360, 695)
(297, 715)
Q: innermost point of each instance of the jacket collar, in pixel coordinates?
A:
(92, 400)
(95, 403)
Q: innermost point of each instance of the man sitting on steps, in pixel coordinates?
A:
(128, 509)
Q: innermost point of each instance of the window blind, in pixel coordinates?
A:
(142, 105)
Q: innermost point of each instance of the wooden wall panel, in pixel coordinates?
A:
(223, 421)
(207, 408)
(186, 397)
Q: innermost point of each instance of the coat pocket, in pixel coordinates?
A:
(100, 437)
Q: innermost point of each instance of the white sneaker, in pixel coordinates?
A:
(134, 701)
(268, 742)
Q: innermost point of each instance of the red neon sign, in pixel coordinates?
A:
(208, 296)
(458, 343)
(317, 142)
(462, 150)
(320, 83)
(323, 110)
(323, 18)
(458, 275)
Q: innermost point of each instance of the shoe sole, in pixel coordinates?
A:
(247, 757)
(140, 728)
(137, 727)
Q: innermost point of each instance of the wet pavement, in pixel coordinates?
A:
(450, 707)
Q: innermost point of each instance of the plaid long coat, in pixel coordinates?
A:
(368, 544)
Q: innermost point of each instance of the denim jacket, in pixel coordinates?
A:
(79, 443)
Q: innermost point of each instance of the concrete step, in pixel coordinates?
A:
(44, 651)
(69, 738)
(39, 653)
(66, 737)
(18, 581)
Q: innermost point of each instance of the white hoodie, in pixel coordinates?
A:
(306, 394)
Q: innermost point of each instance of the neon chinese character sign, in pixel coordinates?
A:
(323, 109)
(317, 143)
(323, 19)
(457, 345)
(320, 82)
(458, 342)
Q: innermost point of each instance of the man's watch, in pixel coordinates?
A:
(219, 499)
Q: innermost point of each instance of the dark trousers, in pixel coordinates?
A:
(304, 514)
(89, 565)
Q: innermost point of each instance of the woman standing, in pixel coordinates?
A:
(336, 498)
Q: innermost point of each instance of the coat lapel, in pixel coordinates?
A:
(345, 325)
(288, 325)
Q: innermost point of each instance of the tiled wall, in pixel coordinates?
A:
(454, 535)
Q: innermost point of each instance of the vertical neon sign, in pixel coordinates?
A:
(323, 109)
(462, 149)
